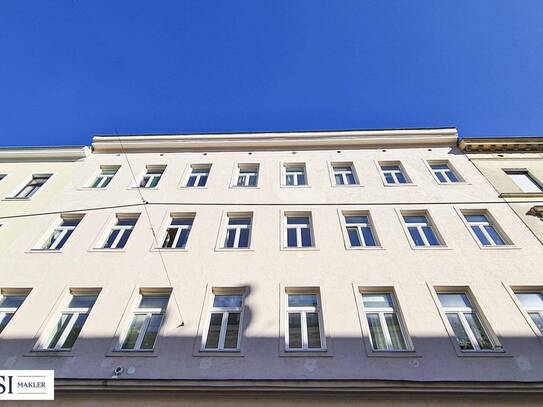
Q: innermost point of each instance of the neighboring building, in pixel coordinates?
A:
(340, 268)
(514, 166)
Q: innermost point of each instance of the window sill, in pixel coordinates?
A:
(295, 186)
(226, 250)
(393, 354)
(500, 353)
(8, 198)
(216, 353)
(365, 248)
(189, 188)
(299, 249)
(453, 183)
(521, 195)
(143, 188)
(400, 185)
(48, 353)
(91, 189)
(431, 247)
(132, 353)
(106, 250)
(167, 249)
(347, 185)
(503, 247)
(242, 187)
(305, 353)
(42, 251)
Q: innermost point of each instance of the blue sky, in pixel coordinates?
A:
(72, 69)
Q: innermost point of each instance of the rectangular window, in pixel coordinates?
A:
(359, 229)
(30, 189)
(298, 230)
(421, 231)
(533, 304)
(468, 328)
(524, 180)
(344, 174)
(247, 175)
(198, 176)
(238, 231)
(444, 173)
(394, 174)
(146, 322)
(177, 233)
(71, 320)
(107, 172)
(484, 229)
(121, 231)
(10, 301)
(152, 176)
(304, 330)
(295, 174)
(385, 324)
(224, 327)
(62, 232)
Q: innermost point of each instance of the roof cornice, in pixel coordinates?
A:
(276, 141)
(501, 144)
(70, 153)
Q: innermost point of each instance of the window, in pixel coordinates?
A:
(359, 229)
(247, 175)
(394, 174)
(120, 232)
(152, 176)
(295, 175)
(30, 189)
(421, 230)
(223, 329)
(385, 325)
(107, 172)
(444, 173)
(146, 322)
(484, 230)
(533, 304)
(177, 233)
(344, 174)
(524, 180)
(198, 176)
(2, 176)
(62, 232)
(304, 330)
(465, 322)
(298, 230)
(10, 301)
(70, 321)
(238, 231)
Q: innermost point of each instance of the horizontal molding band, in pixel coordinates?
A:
(43, 153)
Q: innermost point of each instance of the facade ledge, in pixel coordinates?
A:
(521, 195)
(43, 153)
(501, 144)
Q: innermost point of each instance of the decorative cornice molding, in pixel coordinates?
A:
(43, 153)
(276, 141)
(501, 144)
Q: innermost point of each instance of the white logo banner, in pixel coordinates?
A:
(27, 384)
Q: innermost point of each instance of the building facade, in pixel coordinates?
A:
(348, 268)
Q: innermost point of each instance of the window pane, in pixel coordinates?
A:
(170, 237)
(377, 337)
(227, 301)
(58, 330)
(292, 220)
(353, 237)
(291, 238)
(395, 332)
(430, 236)
(440, 177)
(301, 179)
(401, 178)
(531, 300)
(82, 301)
(480, 235)
(154, 301)
(151, 333)
(111, 238)
(182, 221)
(478, 331)
(302, 300)
(214, 331)
(389, 178)
(252, 180)
(454, 300)
(415, 235)
(339, 179)
(452, 176)
(191, 181)
(232, 331)
(126, 221)
(306, 237)
(294, 331)
(244, 238)
(183, 238)
(74, 333)
(538, 321)
(350, 179)
(494, 235)
(5, 320)
(290, 179)
(377, 301)
(133, 331)
(476, 218)
(202, 181)
(415, 219)
(124, 238)
(461, 336)
(230, 237)
(356, 219)
(12, 301)
(313, 330)
(368, 236)
(154, 181)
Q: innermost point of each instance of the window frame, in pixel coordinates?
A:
(513, 290)
(23, 185)
(452, 168)
(223, 231)
(166, 224)
(57, 224)
(143, 174)
(462, 212)
(236, 174)
(294, 164)
(98, 173)
(430, 222)
(12, 291)
(399, 163)
(284, 234)
(103, 236)
(331, 172)
(188, 174)
(343, 213)
(528, 175)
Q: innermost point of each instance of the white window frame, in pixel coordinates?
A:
(285, 215)
(148, 312)
(225, 311)
(402, 169)
(305, 172)
(452, 169)
(343, 223)
(151, 171)
(164, 234)
(342, 164)
(513, 292)
(74, 314)
(63, 231)
(225, 227)
(429, 223)
(188, 174)
(303, 320)
(384, 326)
(460, 311)
(492, 222)
(16, 292)
(122, 230)
(530, 179)
(253, 167)
(34, 192)
(103, 178)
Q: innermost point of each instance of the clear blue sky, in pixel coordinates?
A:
(72, 69)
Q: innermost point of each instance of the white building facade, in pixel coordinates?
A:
(348, 268)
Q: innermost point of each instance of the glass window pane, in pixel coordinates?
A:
(239, 221)
(480, 235)
(538, 321)
(291, 238)
(230, 237)
(133, 332)
(301, 179)
(294, 331)
(182, 221)
(82, 301)
(368, 237)
(191, 181)
(401, 178)
(454, 300)
(531, 300)
(494, 235)
(170, 238)
(111, 238)
(306, 237)
(252, 180)
(227, 301)
(415, 219)
(356, 219)
(232, 331)
(476, 218)
(293, 220)
(415, 235)
(430, 236)
(313, 330)
(126, 221)
(478, 331)
(154, 301)
(376, 331)
(461, 337)
(12, 301)
(395, 332)
(58, 330)
(244, 238)
(452, 176)
(302, 300)
(377, 300)
(74, 332)
(389, 178)
(290, 179)
(202, 181)
(350, 179)
(353, 237)
(5, 321)
(339, 179)
(183, 238)
(441, 177)
(124, 238)
(151, 333)
(214, 331)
